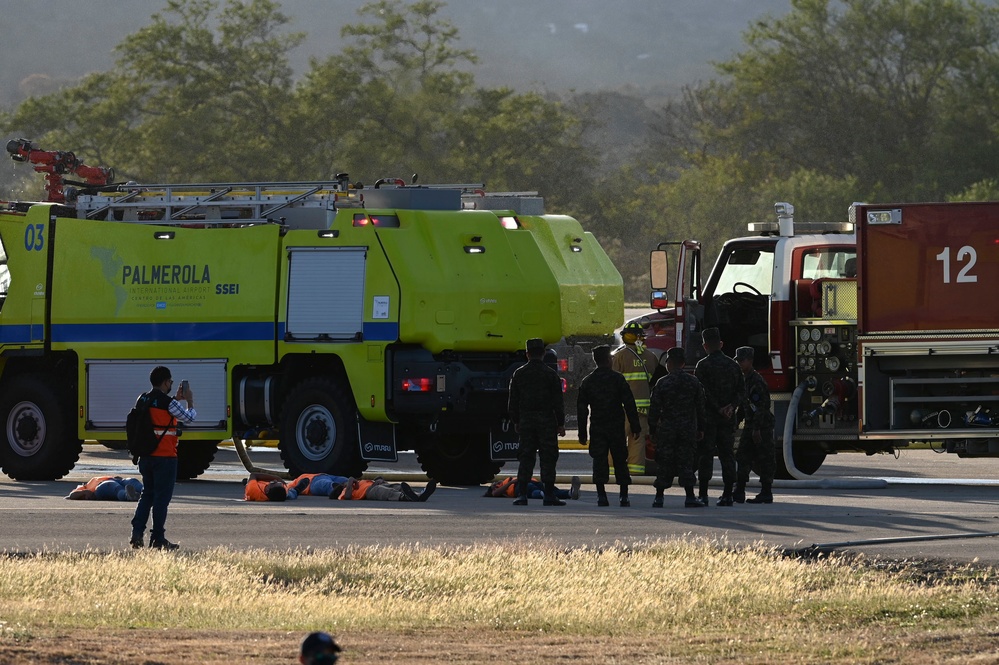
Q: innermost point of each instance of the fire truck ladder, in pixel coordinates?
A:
(302, 204)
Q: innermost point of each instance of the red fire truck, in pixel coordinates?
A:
(872, 334)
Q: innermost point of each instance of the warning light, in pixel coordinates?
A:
(420, 385)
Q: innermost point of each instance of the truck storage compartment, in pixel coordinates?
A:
(932, 390)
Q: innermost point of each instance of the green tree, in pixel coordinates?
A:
(201, 93)
(397, 101)
(381, 106)
(888, 91)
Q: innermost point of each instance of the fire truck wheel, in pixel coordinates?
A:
(194, 457)
(807, 461)
(38, 440)
(457, 457)
(318, 431)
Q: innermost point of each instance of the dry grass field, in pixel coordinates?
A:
(525, 602)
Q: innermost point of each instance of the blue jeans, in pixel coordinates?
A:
(159, 475)
(114, 490)
(322, 485)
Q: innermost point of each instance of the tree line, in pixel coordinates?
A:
(834, 102)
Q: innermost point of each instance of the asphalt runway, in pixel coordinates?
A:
(920, 495)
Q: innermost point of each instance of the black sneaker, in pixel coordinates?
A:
(428, 490)
(625, 502)
(657, 502)
(521, 500)
(163, 544)
(407, 492)
(553, 501)
(574, 488)
(739, 496)
(725, 500)
(693, 503)
(136, 542)
(602, 500)
(704, 500)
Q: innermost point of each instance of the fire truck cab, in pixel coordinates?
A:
(785, 291)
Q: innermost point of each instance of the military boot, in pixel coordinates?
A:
(521, 494)
(550, 498)
(691, 501)
(766, 495)
(602, 496)
(625, 501)
(739, 495)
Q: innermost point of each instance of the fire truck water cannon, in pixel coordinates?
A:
(56, 164)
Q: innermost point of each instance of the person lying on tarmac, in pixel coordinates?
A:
(108, 488)
(379, 490)
(268, 487)
(507, 487)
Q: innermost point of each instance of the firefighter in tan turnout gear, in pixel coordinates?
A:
(637, 364)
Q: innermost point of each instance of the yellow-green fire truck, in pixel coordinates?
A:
(354, 322)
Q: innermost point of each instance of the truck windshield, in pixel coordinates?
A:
(747, 270)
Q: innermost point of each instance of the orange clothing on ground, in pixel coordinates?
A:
(310, 476)
(255, 490)
(93, 483)
(359, 490)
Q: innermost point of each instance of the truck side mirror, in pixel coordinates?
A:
(659, 269)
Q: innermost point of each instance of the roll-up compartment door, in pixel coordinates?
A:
(326, 293)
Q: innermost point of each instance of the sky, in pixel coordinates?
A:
(553, 45)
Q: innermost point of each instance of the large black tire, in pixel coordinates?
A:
(807, 458)
(38, 439)
(457, 457)
(319, 431)
(194, 457)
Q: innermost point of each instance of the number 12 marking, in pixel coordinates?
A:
(964, 276)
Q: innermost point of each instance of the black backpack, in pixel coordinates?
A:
(142, 439)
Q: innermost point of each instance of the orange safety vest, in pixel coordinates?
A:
(164, 424)
(93, 483)
(255, 490)
(310, 476)
(506, 487)
(359, 490)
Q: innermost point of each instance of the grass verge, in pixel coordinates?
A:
(663, 602)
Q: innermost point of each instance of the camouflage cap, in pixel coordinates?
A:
(676, 353)
(744, 353)
(710, 335)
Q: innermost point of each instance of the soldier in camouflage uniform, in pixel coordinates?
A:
(724, 390)
(608, 395)
(538, 415)
(756, 445)
(676, 423)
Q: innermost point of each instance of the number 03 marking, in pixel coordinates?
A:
(964, 275)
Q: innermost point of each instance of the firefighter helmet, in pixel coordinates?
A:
(634, 328)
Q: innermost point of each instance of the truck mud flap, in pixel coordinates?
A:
(377, 441)
(504, 443)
